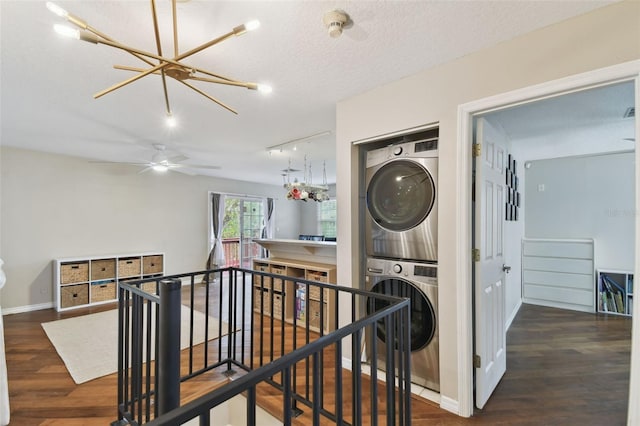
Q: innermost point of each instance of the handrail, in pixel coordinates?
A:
(218, 396)
(137, 393)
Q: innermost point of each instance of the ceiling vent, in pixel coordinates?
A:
(630, 112)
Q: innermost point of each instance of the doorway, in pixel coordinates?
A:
(568, 177)
(467, 112)
(243, 223)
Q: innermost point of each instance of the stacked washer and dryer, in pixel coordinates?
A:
(401, 238)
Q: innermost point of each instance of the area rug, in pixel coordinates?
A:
(88, 344)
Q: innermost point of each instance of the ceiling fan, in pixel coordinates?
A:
(161, 163)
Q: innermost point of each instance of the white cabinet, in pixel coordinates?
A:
(297, 303)
(85, 281)
(615, 292)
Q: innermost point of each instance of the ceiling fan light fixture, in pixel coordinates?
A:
(160, 168)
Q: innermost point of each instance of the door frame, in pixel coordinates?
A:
(628, 71)
(229, 195)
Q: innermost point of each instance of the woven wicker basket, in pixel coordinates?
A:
(314, 313)
(152, 264)
(128, 267)
(103, 291)
(74, 295)
(74, 272)
(103, 269)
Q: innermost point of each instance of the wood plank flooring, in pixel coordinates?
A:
(563, 368)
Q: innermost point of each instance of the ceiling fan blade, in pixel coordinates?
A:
(184, 171)
(194, 166)
(177, 159)
(119, 162)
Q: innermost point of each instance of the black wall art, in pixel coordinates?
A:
(512, 195)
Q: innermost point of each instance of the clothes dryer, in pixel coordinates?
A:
(418, 282)
(401, 201)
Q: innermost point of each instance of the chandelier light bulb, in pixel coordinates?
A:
(264, 88)
(57, 10)
(252, 25)
(171, 121)
(66, 31)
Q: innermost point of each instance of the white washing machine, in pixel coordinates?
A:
(401, 199)
(419, 283)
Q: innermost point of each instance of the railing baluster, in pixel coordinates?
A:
(192, 291)
(316, 389)
(286, 396)
(356, 378)
(251, 406)
(339, 415)
(390, 368)
(407, 356)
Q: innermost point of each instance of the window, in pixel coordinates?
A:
(327, 218)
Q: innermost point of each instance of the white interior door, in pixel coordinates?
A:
(490, 332)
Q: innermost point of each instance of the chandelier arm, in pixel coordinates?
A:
(175, 27)
(164, 63)
(227, 82)
(134, 69)
(222, 104)
(154, 15)
(82, 24)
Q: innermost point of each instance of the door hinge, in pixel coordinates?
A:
(477, 362)
(477, 150)
(475, 253)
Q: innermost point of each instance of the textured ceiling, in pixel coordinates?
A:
(47, 82)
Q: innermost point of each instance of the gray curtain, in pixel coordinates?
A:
(216, 255)
(267, 229)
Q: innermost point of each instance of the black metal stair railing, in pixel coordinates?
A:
(238, 324)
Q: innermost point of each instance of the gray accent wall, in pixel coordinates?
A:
(585, 197)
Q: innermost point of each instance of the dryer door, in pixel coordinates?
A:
(423, 316)
(400, 195)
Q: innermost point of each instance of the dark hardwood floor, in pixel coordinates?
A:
(563, 368)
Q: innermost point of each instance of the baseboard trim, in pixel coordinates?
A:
(449, 404)
(513, 315)
(27, 308)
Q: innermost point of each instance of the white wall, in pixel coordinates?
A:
(58, 206)
(309, 214)
(433, 96)
(585, 197)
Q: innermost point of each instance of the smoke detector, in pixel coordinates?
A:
(335, 21)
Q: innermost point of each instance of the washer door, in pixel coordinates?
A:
(400, 195)
(423, 318)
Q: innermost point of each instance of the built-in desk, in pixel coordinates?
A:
(287, 298)
(312, 251)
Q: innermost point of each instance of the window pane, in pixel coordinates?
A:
(327, 218)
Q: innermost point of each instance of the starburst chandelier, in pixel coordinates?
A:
(159, 64)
